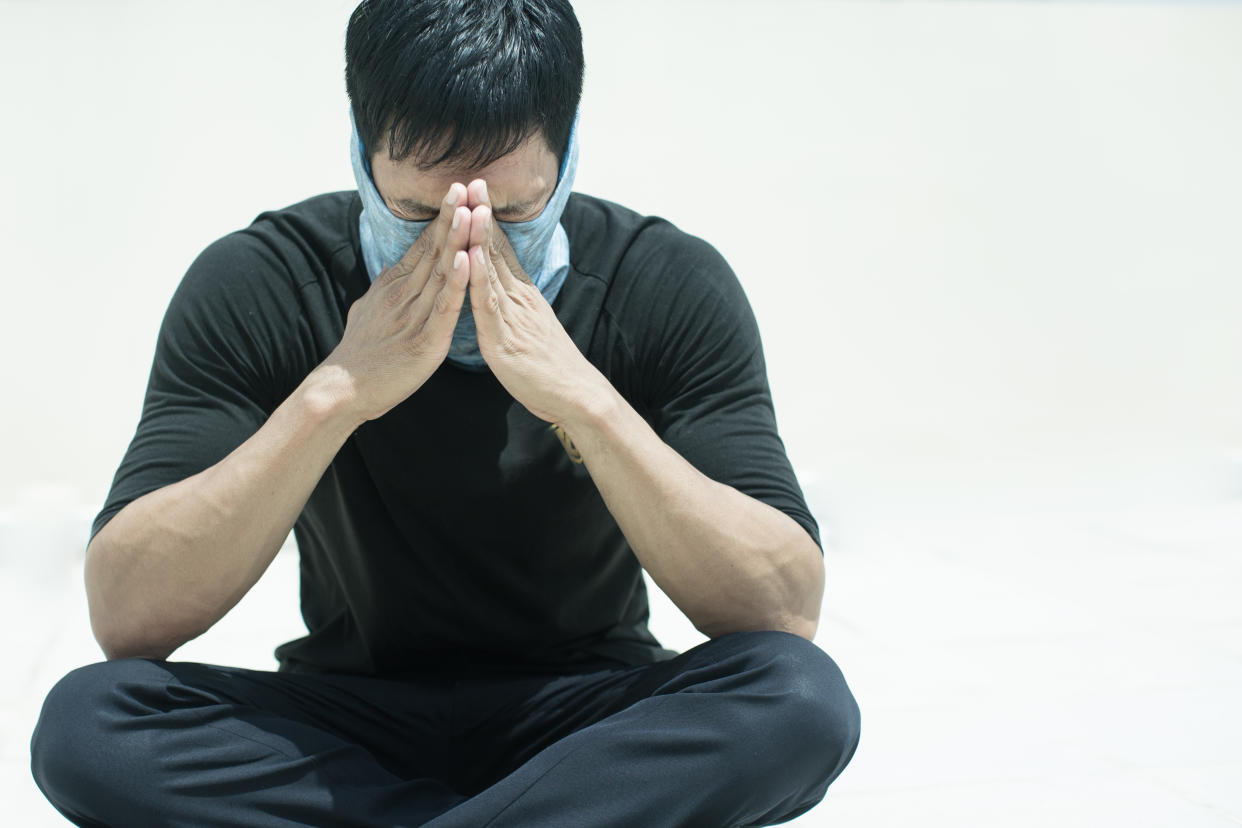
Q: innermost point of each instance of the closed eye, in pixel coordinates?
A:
(503, 218)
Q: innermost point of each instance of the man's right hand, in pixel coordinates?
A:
(398, 333)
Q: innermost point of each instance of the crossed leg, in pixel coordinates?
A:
(747, 729)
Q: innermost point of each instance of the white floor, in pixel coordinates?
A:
(1029, 655)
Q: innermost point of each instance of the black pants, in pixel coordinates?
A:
(746, 729)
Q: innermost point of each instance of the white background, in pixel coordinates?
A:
(994, 249)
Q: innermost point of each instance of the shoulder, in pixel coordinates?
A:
(249, 296)
(672, 302)
(323, 218)
(279, 251)
(605, 236)
(645, 260)
(310, 234)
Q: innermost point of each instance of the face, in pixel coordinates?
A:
(519, 185)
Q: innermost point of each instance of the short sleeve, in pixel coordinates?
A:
(705, 379)
(214, 377)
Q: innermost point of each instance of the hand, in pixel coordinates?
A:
(519, 335)
(398, 333)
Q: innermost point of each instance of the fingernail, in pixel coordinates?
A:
(484, 188)
(451, 200)
(456, 219)
(457, 260)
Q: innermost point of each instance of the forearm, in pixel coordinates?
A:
(729, 561)
(173, 562)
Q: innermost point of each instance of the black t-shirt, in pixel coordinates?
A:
(457, 532)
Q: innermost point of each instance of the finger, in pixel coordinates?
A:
(500, 246)
(435, 313)
(477, 193)
(505, 258)
(503, 298)
(485, 297)
(486, 234)
(458, 240)
(480, 222)
(422, 255)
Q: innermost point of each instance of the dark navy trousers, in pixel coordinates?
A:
(746, 729)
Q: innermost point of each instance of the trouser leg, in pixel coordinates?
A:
(137, 742)
(747, 729)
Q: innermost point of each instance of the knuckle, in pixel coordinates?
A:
(442, 304)
(438, 276)
(394, 294)
(416, 252)
(423, 346)
(430, 242)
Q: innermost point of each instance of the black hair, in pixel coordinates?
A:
(472, 79)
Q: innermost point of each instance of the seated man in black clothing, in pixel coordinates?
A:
(483, 406)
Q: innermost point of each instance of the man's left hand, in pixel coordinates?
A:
(519, 335)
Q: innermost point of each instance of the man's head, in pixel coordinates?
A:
(446, 90)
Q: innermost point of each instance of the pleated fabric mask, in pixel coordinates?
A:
(541, 244)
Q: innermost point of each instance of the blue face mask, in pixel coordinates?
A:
(541, 245)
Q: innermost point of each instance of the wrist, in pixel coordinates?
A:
(594, 410)
(329, 395)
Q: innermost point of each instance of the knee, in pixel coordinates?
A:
(65, 730)
(72, 740)
(811, 718)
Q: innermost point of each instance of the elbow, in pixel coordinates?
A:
(117, 642)
(798, 592)
(120, 622)
(787, 598)
(804, 579)
(795, 616)
(114, 651)
(801, 626)
(119, 635)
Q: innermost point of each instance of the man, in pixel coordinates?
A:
(484, 406)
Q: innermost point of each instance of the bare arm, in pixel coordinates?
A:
(729, 561)
(171, 563)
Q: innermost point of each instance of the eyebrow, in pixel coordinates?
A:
(412, 206)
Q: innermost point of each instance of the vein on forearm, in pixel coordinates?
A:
(726, 559)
